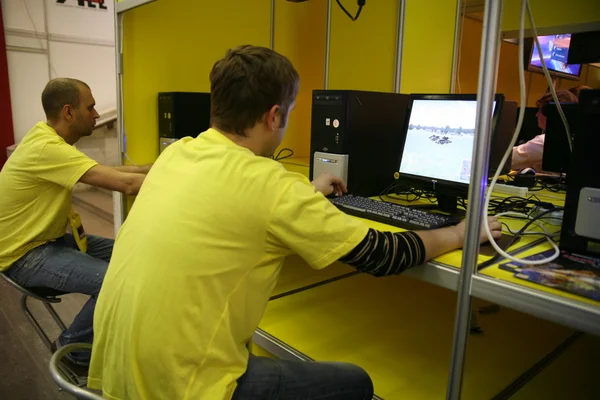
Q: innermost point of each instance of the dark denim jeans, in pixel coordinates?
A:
(60, 265)
(268, 378)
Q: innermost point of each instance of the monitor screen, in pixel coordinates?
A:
(555, 49)
(439, 139)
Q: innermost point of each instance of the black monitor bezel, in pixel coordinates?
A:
(441, 186)
(551, 71)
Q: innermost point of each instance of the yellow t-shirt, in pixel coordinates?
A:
(194, 266)
(35, 191)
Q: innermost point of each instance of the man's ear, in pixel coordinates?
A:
(271, 118)
(67, 112)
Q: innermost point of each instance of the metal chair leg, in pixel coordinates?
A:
(34, 322)
(56, 317)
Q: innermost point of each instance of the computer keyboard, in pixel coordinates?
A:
(391, 213)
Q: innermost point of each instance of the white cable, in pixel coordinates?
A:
(486, 225)
(130, 160)
(548, 77)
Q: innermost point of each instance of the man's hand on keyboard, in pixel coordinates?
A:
(328, 183)
(495, 227)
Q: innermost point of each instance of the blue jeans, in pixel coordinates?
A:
(60, 265)
(268, 378)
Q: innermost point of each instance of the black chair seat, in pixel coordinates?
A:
(45, 292)
(39, 293)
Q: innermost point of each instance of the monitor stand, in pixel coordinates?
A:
(445, 204)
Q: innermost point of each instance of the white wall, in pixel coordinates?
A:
(78, 42)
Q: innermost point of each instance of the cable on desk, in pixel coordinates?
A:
(533, 220)
(280, 157)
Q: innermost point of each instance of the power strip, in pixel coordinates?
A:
(512, 190)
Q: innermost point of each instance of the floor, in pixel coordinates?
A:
(23, 358)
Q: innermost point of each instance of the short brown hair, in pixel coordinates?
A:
(60, 92)
(564, 96)
(577, 89)
(246, 83)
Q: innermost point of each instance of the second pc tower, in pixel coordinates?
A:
(366, 128)
(181, 114)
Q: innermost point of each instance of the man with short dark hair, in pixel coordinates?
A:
(530, 154)
(35, 206)
(200, 253)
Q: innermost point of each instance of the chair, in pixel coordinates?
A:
(64, 384)
(47, 297)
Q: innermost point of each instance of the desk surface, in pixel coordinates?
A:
(498, 286)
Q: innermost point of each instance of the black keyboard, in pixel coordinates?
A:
(392, 214)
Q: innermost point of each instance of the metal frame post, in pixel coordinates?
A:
(272, 38)
(457, 33)
(399, 45)
(488, 68)
(327, 45)
(119, 199)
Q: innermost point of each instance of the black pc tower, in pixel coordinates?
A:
(181, 114)
(580, 233)
(557, 153)
(359, 134)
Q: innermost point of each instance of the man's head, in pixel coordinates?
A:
(577, 89)
(253, 90)
(69, 105)
(564, 96)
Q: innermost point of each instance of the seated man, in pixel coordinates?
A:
(530, 154)
(187, 286)
(36, 184)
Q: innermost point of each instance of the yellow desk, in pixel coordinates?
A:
(399, 329)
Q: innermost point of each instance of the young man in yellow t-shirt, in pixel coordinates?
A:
(35, 205)
(196, 261)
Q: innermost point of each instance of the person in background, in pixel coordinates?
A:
(187, 286)
(577, 89)
(35, 206)
(530, 154)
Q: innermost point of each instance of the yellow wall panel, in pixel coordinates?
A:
(363, 52)
(300, 36)
(428, 46)
(171, 46)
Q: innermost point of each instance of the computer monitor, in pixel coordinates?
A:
(530, 128)
(555, 50)
(438, 145)
(557, 153)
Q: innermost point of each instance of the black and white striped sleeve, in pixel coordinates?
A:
(386, 253)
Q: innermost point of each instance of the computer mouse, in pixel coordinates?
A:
(527, 171)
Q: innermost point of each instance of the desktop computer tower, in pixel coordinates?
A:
(181, 114)
(580, 231)
(366, 128)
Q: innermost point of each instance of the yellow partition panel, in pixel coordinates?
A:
(428, 46)
(300, 36)
(363, 52)
(172, 46)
